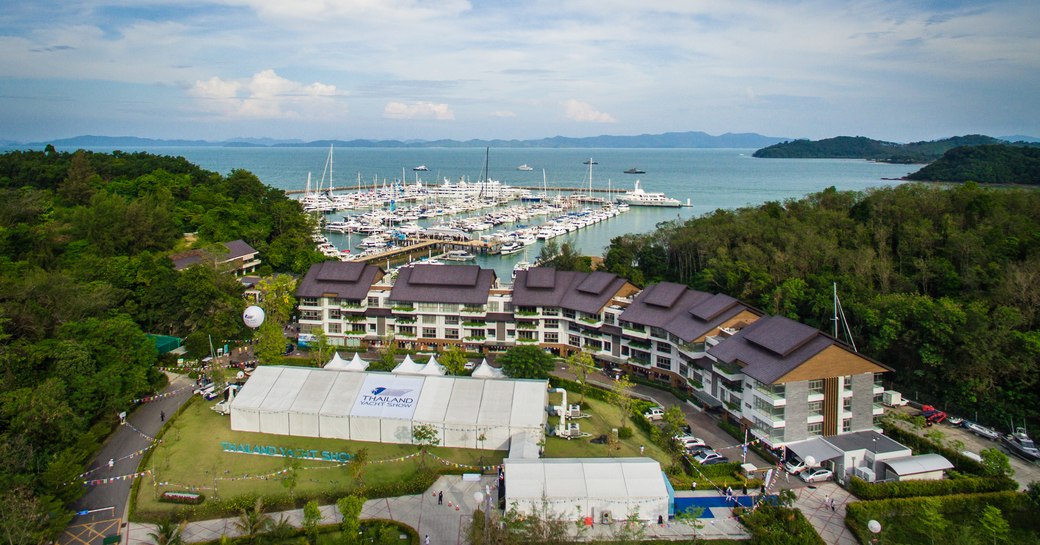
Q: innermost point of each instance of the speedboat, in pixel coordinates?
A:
(512, 247)
(459, 255)
(635, 171)
(421, 168)
(524, 167)
(1021, 445)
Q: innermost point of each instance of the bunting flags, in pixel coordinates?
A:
(141, 433)
(110, 480)
(156, 397)
(127, 457)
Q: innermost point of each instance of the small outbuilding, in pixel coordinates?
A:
(922, 467)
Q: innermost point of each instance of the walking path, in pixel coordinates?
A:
(814, 502)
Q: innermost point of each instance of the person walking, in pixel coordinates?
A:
(641, 448)
(440, 498)
(426, 541)
(162, 416)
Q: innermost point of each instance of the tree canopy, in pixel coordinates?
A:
(85, 271)
(526, 361)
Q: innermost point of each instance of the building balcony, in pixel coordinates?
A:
(728, 371)
(639, 334)
(877, 408)
(776, 399)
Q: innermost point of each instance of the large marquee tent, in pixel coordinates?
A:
(383, 407)
(575, 488)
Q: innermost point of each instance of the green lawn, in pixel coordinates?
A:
(191, 456)
(604, 418)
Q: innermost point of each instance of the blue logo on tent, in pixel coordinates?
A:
(391, 393)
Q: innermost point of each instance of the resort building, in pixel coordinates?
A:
(237, 257)
(783, 380)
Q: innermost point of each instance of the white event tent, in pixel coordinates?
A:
(574, 488)
(484, 370)
(337, 362)
(433, 368)
(382, 407)
(407, 367)
(356, 364)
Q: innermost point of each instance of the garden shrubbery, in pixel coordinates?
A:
(906, 489)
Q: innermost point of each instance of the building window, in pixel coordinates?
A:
(816, 428)
(847, 381)
(846, 425)
(334, 328)
(428, 319)
(552, 324)
(310, 315)
(429, 332)
(552, 337)
(492, 306)
(684, 369)
(877, 379)
(451, 333)
(815, 408)
(816, 386)
(846, 404)
(606, 346)
(664, 363)
(371, 327)
(658, 332)
(335, 314)
(574, 340)
(609, 318)
(624, 350)
(530, 335)
(550, 311)
(451, 320)
(567, 313)
(309, 301)
(491, 332)
(664, 347)
(373, 301)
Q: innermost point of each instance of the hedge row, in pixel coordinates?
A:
(898, 516)
(591, 390)
(780, 525)
(923, 445)
(907, 489)
(664, 386)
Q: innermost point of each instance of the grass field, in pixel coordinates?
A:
(191, 457)
(604, 418)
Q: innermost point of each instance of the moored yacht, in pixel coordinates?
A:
(638, 197)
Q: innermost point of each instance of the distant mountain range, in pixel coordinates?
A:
(859, 147)
(691, 139)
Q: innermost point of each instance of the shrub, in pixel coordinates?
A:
(625, 433)
(780, 525)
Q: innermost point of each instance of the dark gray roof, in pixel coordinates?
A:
(186, 259)
(580, 291)
(865, 440)
(238, 248)
(464, 284)
(499, 317)
(375, 312)
(350, 280)
(771, 347)
(685, 313)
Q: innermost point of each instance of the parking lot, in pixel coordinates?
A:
(1025, 472)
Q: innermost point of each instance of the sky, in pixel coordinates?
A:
(460, 69)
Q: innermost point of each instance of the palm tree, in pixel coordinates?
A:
(167, 533)
(281, 531)
(253, 522)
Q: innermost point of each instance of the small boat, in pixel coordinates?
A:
(982, 431)
(421, 168)
(512, 247)
(524, 167)
(590, 162)
(459, 255)
(635, 171)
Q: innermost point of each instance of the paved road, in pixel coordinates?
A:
(107, 503)
(703, 424)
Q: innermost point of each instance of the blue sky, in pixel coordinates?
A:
(405, 69)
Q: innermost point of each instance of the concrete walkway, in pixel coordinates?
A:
(814, 502)
(446, 523)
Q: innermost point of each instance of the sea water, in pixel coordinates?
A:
(709, 179)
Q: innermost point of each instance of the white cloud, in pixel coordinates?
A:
(418, 110)
(266, 95)
(503, 113)
(583, 111)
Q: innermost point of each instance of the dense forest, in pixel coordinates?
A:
(85, 272)
(860, 147)
(992, 164)
(943, 285)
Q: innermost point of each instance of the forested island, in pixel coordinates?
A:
(860, 147)
(990, 164)
(85, 272)
(942, 284)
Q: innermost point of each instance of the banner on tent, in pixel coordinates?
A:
(285, 452)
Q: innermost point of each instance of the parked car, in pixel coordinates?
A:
(710, 457)
(794, 466)
(815, 475)
(694, 451)
(656, 413)
(688, 442)
(469, 366)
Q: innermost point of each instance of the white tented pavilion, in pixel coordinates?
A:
(357, 364)
(575, 488)
(433, 368)
(484, 370)
(407, 367)
(383, 407)
(337, 362)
